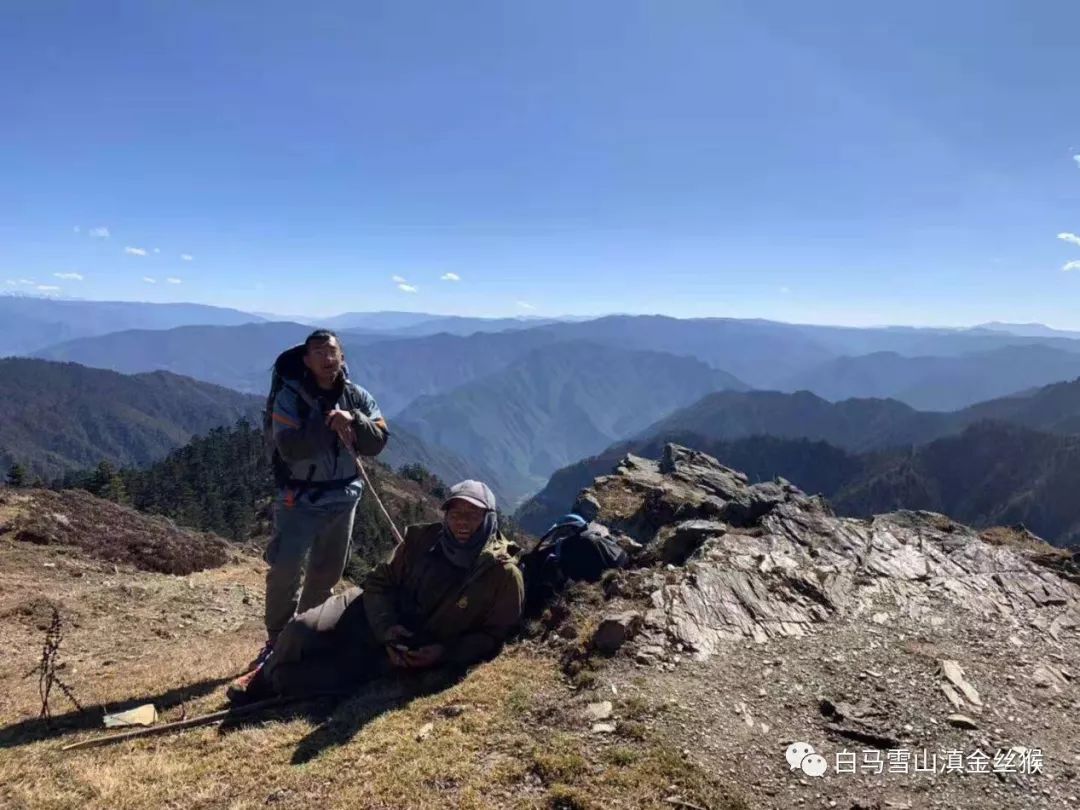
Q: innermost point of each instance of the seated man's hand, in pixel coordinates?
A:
(397, 635)
(424, 657)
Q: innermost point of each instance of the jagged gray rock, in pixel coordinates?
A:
(614, 631)
(765, 560)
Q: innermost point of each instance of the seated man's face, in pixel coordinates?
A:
(463, 518)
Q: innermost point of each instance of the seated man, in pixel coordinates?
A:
(448, 597)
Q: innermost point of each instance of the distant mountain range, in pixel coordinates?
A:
(990, 474)
(870, 417)
(237, 357)
(1009, 460)
(1027, 329)
(414, 324)
(854, 424)
(928, 369)
(61, 416)
(768, 355)
(396, 371)
(30, 324)
(939, 383)
(544, 409)
(863, 424)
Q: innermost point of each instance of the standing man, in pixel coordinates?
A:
(319, 419)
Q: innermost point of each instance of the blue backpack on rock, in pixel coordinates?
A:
(572, 549)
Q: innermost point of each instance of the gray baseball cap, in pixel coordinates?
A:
(475, 492)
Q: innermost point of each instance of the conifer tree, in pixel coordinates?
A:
(17, 476)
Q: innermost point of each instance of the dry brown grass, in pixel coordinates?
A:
(486, 749)
(108, 531)
(511, 734)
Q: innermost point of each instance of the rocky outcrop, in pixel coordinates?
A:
(765, 560)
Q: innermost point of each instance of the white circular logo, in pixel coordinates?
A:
(814, 765)
(796, 752)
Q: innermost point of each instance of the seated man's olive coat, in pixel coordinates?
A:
(470, 611)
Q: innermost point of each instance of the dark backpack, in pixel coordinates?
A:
(572, 549)
(289, 369)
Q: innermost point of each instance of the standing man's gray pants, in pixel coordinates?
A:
(321, 535)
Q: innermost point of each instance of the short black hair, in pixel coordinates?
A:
(320, 336)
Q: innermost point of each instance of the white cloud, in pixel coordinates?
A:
(525, 305)
(409, 288)
(1071, 238)
(157, 250)
(174, 280)
(77, 229)
(69, 276)
(1077, 159)
(47, 288)
(99, 233)
(187, 257)
(1074, 265)
(398, 280)
(26, 282)
(134, 251)
(451, 277)
(149, 280)
(785, 290)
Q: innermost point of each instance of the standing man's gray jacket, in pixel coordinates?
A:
(320, 466)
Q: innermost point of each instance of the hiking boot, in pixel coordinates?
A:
(249, 687)
(260, 659)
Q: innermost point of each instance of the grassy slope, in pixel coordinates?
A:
(515, 737)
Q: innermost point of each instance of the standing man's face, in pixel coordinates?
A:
(324, 360)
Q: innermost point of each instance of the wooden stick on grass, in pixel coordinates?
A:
(192, 722)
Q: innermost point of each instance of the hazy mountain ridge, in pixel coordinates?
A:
(62, 416)
(396, 371)
(29, 324)
(914, 365)
(941, 383)
(854, 424)
(1007, 460)
(528, 419)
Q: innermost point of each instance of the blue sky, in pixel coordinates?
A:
(840, 162)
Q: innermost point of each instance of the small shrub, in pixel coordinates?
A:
(561, 762)
(622, 756)
(564, 797)
(633, 730)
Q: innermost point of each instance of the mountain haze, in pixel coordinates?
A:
(395, 370)
(28, 324)
(939, 383)
(854, 424)
(543, 410)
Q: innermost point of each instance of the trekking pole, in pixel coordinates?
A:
(202, 720)
(191, 722)
(378, 500)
